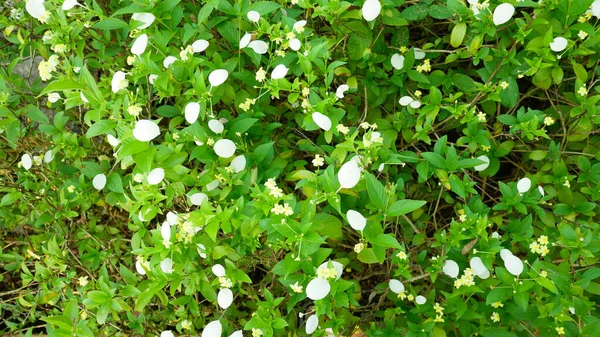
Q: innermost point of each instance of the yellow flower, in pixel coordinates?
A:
(403, 49)
(548, 121)
(402, 256)
(497, 305)
(481, 116)
(186, 325)
(504, 84)
(276, 192)
(485, 148)
(438, 308)
(342, 129)
(560, 330)
(287, 210)
(271, 184)
(582, 91)
(543, 274)
(543, 240)
(296, 287)
(418, 93)
(410, 297)
(83, 281)
(438, 319)
(290, 36)
(71, 188)
(495, 317)
(359, 247)
(318, 161)
(225, 282)
(305, 91)
(134, 110)
(582, 35)
(256, 332)
(261, 74)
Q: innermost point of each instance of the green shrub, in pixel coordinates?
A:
(380, 168)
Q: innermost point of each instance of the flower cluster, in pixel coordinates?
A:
(225, 282)
(46, 68)
(284, 209)
(425, 67)
(439, 312)
(540, 246)
(325, 272)
(466, 280)
(274, 191)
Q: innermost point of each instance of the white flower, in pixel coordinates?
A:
(152, 77)
(349, 174)
(68, 4)
(253, 16)
(156, 176)
(396, 286)
(451, 268)
(339, 93)
(48, 156)
(119, 81)
(192, 111)
(145, 18)
(53, 97)
(218, 270)
(167, 333)
(524, 185)
(371, 9)
(356, 220)
(198, 198)
(503, 13)
(279, 72)
(295, 44)
(199, 46)
(322, 121)
(218, 77)
(225, 298)
(420, 300)
(238, 163)
(99, 181)
(224, 148)
(317, 289)
(145, 130)
(559, 44)
(483, 166)
(397, 61)
(259, 47)
(311, 324)
(35, 8)
(112, 140)
(139, 45)
(168, 61)
(245, 40)
(166, 265)
(26, 161)
(213, 329)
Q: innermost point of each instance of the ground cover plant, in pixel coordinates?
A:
(293, 168)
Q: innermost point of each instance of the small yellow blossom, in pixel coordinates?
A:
(210, 142)
(402, 255)
(582, 91)
(359, 247)
(261, 75)
(543, 240)
(462, 218)
(290, 36)
(256, 332)
(438, 308)
(318, 161)
(71, 188)
(438, 319)
(543, 274)
(280, 53)
(186, 325)
(83, 281)
(495, 317)
(504, 85)
(305, 91)
(271, 184)
(425, 67)
(365, 125)
(567, 183)
(276, 192)
(130, 60)
(60, 48)
(134, 110)
(138, 178)
(342, 129)
(296, 288)
(497, 305)
(481, 116)
(582, 35)
(225, 282)
(403, 49)
(410, 297)
(548, 121)
(485, 148)
(560, 330)
(402, 295)
(287, 210)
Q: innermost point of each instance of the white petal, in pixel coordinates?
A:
(83, 98)
(245, 40)
(514, 265)
(451, 268)
(339, 268)
(145, 130)
(218, 270)
(224, 148)
(415, 104)
(165, 231)
(212, 185)
(238, 163)
(238, 333)
(201, 250)
(116, 81)
(146, 18)
(317, 289)
(68, 4)
(168, 61)
(35, 8)
(213, 329)
(375, 135)
(398, 61)
(259, 47)
(484, 275)
(26, 161)
(139, 45)
(322, 121)
(112, 140)
(495, 235)
(253, 16)
(299, 24)
(152, 77)
(53, 97)
(524, 185)
(156, 176)
(198, 198)
(405, 100)
(381, 167)
(419, 54)
(218, 77)
(172, 218)
(167, 333)
(572, 310)
(311, 324)
(396, 286)
(199, 46)
(192, 111)
(215, 126)
(356, 220)
(505, 253)
(349, 174)
(99, 181)
(279, 72)
(295, 44)
(420, 300)
(166, 265)
(477, 266)
(341, 90)
(371, 10)
(225, 298)
(483, 166)
(595, 9)
(140, 269)
(48, 156)
(541, 189)
(559, 44)
(503, 13)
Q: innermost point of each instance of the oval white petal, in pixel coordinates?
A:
(415, 104)
(146, 18)
(397, 61)
(341, 90)
(112, 140)
(259, 47)
(420, 300)
(140, 269)
(322, 121)
(145, 130)
(152, 77)
(156, 176)
(139, 45)
(238, 163)
(299, 24)
(48, 156)
(503, 13)
(166, 265)
(215, 126)
(199, 46)
(371, 10)
(279, 72)
(253, 16)
(213, 329)
(514, 265)
(68, 4)
(218, 270)
(172, 218)
(451, 268)
(99, 181)
(198, 198)
(541, 189)
(237, 334)
(167, 333)
(245, 40)
(405, 100)
(356, 220)
(83, 98)
(115, 84)
(168, 61)
(396, 286)
(524, 185)
(192, 111)
(165, 231)
(218, 77)
(484, 275)
(311, 324)
(559, 44)
(505, 253)
(419, 54)
(35, 8)
(225, 298)
(295, 44)
(317, 289)
(483, 166)
(212, 185)
(26, 161)
(349, 174)
(201, 250)
(381, 167)
(224, 148)
(477, 266)
(495, 235)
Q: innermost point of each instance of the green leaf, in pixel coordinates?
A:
(548, 284)
(510, 96)
(110, 24)
(367, 256)
(435, 159)
(264, 7)
(458, 34)
(60, 85)
(405, 206)
(537, 155)
(457, 186)
(114, 183)
(241, 125)
(498, 332)
(497, 295)
(35, 114)
(377, 192)
(101, 127)
(386, 241)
